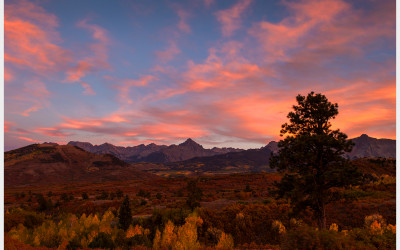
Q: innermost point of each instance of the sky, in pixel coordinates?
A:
(224, 73)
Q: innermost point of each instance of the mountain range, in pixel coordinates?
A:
(154, 153)
(49, 163)
(365, 146)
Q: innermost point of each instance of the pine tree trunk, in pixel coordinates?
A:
(321, 217)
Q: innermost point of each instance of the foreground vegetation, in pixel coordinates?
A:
(236, 211)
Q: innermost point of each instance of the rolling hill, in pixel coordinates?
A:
(43, 164)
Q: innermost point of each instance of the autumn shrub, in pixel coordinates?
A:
(247, 223)
(375, 234)
(306, 237)
(225, 241)
(160, 217)
(179, 237)
(15, 216)
(69, 230)
(354, 194)
(85, 196)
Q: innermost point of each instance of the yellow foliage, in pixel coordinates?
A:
(375, 223)
(95, 220)
(169, 236)
(391, 228)
(132, 231)
(334, 227)
(184, 237)
(63, 245)
(108, 217)
(187, 234)
(278, 226)
(105, 228)
(374, 217)
(225, 241)
(84, 242)
(157, 240)
(239, 216)
(36, 241)
(376, 227)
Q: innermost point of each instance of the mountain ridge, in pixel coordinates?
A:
(364, 146)
(153, 152)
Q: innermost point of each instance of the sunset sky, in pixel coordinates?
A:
(224, 73)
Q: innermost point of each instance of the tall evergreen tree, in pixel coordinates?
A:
(311, 156)
(125, 214)
(194, 194)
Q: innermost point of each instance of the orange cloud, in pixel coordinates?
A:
(230, 19)
(258, 114)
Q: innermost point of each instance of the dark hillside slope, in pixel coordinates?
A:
(253, 160)
(40, 164)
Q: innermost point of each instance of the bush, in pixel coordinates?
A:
(85, 196)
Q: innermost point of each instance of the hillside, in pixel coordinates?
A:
(43, 164)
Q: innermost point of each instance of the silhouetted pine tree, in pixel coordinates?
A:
(125, 214)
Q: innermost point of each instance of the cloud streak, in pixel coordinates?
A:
(230, 19)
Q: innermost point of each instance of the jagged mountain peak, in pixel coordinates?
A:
(191, 143)
(106, 144)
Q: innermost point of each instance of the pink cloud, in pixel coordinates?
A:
(124, 85)
(8, 75)
(32, 109)
(30, 97)
(54, 132)
(97, 60)
(7, 126)
(183, 17)
(327, 28)
(230, 19)
(31, 38)
(98, 32)
(208, 3)
(88, 89)
(27, 139)
(169, 53)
